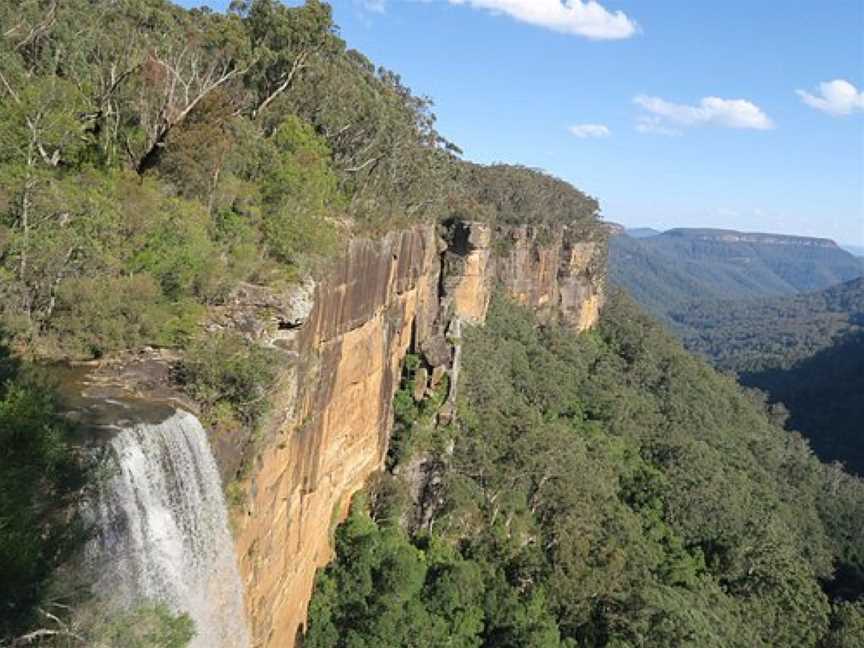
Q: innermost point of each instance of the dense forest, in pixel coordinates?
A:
(38, 475)
(823, 395)
(805, 351)
(749, 335)
(607, 489)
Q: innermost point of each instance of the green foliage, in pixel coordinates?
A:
(149, 626)
(516, 195)
(415, 427)
(282, 143)
(606, 489)
(752, 335)
(385, 590)
(98, 316)
(176, 250)
(822, 394)
(300, 192)
(847, 626)
(805, 351)
(230, 377)
(38, 475)
(235, 494)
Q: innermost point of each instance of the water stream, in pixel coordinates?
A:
(162, 529)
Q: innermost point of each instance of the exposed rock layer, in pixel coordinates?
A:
(333, 414)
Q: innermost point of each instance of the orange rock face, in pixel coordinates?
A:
(332, 417)
(335, 412)
(560, 274)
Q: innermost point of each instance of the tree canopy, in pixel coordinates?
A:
(152, 157)
(606, 489)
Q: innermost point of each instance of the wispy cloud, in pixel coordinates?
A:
(586, 18)
(654, 124)
(668, 118)
(580, 18)
(837, 97)
(587, 131)
(727, 212)
(375, 6)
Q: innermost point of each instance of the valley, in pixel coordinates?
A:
(803, 350)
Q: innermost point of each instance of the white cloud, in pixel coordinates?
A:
(375, 6)
(667, 118)
(585, 131)
(653, 124)
(586, 18)
(837, 97)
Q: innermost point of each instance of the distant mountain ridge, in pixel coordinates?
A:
(642, 232)
(857, 250)
(732, 236)
(685, 265)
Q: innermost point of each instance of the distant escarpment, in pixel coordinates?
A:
(343, 341)
(674, 269)
(731, 236)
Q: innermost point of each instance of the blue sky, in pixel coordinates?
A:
(671, 112)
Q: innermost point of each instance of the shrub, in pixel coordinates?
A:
(149, 626)
(38, 473)
(228, 370)
(96, 316)
(301, 195)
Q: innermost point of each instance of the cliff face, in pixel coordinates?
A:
(560, 274)
(344, 343)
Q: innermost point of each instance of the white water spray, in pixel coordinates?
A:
(162, 531)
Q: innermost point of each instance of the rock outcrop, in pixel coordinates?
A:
(560, 273)
(344, 350)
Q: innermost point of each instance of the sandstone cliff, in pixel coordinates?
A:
(344, 341)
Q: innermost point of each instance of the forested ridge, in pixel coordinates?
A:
(822, 394)
(607, 489)
(683, 268)
(750, 335)
(805, 351)
(152, 158)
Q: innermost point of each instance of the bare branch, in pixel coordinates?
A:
(40, 28)
(298, 64)
(9, 89)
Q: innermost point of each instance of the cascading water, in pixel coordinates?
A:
(161, 530)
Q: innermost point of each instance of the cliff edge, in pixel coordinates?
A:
(344, 341)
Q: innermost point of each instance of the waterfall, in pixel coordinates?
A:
(161, 530)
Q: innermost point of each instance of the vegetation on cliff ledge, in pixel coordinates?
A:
(606, 489)
(152, 157)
